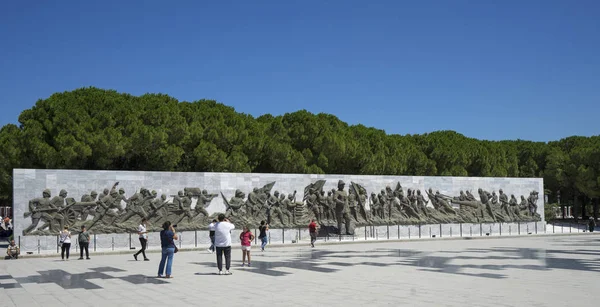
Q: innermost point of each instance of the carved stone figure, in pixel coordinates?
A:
(341, 209)
(504, 204)
(470, 197)
(235, 205)
(58, 203)
(158, 209)
(352, 204)
(91, 210)
(38, 210)
(274, 208)
(121, 198)
(462, 196)
(398, 192)
(330, 211)
(315, 200)
(532, 203)
(289, 204)
(384, 205)
(440, 202)
(321, 205)
(484, 197)
(422, 203)
(376, 211)
(494, 198)
(253, 203)
(523, 206)
(311, 203)
(185, 207)
(361, 201)
(108, 209)
(204, 200)
(135, 206)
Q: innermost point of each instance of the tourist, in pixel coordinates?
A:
(84, 243)
(6, 227)
(13, 251)
(223, 243)
(591, 224)
(246, 238)
(211, 235)
(143, 233)
(65, 242)
(263, 228)
(312, 229)
(167, 235)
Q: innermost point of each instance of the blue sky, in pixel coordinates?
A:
(487, 69)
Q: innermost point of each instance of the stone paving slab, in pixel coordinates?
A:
(517, 271)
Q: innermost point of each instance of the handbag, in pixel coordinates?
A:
(61, 240)
(176, 249)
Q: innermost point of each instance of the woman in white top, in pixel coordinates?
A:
(143, 239)
(65, 240)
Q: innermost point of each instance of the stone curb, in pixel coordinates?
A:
(326, 243)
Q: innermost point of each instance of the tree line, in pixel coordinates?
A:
(96, 129)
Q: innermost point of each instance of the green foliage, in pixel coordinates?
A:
(550, 211)
(91, 128)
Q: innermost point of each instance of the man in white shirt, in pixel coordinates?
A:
(223, 243)
(143, 239)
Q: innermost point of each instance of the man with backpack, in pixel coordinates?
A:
(84, 243)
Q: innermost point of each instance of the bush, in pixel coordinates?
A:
(550, 211)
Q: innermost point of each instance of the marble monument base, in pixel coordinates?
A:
(200, 238)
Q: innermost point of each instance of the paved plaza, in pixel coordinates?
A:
(515, 271)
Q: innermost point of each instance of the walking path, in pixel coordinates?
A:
(515, 271)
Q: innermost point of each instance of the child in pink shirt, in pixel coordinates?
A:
(246, 238)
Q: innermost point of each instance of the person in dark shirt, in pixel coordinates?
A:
(263, 228)
(167, 235)
(312, 229)
(84, 243)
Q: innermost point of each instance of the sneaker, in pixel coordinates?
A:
(135, 257)
(243, 265)
(88, 258)
(146, 259)
(79, 258)
(220, 273)
(248, 264)
(227, 272)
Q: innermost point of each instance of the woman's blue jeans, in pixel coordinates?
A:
(167, 255)
(264, 241)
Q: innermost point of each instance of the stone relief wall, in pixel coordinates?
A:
(116, 201)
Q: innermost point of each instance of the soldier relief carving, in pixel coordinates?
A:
(345, 207)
